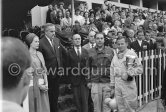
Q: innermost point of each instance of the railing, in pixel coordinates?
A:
(150, 82)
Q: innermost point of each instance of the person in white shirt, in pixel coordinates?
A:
(16, 74)
(116, 26)
(78, 17)
(141, 20)
(66, 22)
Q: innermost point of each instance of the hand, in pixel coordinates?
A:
(89, 85)
(124, 76)
(43, 87)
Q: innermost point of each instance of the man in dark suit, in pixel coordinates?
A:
(152, 43)
(52, 53)
(139, 44)
(78, 58)
(130, 36)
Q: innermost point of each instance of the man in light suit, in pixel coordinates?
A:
(78, 58)
(52, 52)
(91, 42)
(89, 45)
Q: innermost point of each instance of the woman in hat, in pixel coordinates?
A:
(38, 91)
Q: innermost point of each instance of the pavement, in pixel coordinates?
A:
(153, 106)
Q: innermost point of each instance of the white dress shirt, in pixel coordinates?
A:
(90, 44)
(140, 42)
(49, 41)
(76, 49)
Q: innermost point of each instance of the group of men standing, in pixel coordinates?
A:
(96, 78)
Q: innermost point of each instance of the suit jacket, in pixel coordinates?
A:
(152, 45)
(80, 63)
(52, 58)
(135, 45)
(129, 42)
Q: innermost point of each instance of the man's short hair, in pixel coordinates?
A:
(46, 26)
(140, 31)
(122, 37)
(15, 59)
(99, 33)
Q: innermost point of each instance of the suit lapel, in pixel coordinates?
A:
(137, 43)
(49, 45)
(74, 54)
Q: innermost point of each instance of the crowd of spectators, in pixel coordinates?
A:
(113, 21)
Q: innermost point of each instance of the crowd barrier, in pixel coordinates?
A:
(150, 82)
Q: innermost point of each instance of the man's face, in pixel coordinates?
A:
(91, 37)
(77, 40)
(77, 12)
(50, 32)
(99, 40)
(61, 6)
(117, 23)
(130, 33)
(147, 36)
(140, 36)
(122, 45)
(67, 14)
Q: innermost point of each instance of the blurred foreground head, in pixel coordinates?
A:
(16, 62)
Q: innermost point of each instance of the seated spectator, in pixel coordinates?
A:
(105, 18)
(50, 9)
(152, 44)
(15, 74)
(66, 22)
(53, 14)
(76, 27)
(116, 26)
(86, 18)
(78, 17)
(141, 20)
(61, 4)
(140, 44)
(58, 18)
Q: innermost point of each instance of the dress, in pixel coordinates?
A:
(38, 99)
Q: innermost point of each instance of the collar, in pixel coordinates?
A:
(139, 40)
(91, 44)
(99, 52)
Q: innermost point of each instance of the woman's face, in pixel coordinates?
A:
(114, 44)
(35, 43)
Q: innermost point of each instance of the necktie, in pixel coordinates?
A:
(78, 52)
(52, 42)
(92, 45)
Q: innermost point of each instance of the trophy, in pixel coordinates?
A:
(130, 62)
